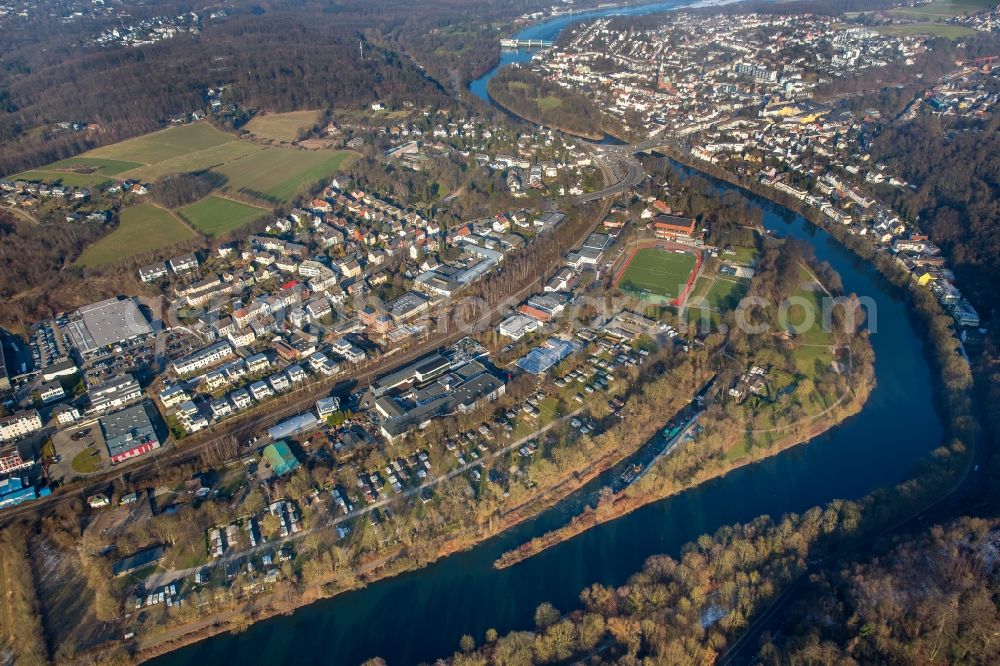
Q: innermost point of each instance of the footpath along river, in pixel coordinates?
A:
(421, 615)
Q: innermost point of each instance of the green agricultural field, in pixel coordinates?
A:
(198, 160)
(65, 178)
(141, 228)
(269, 173)
(278, 174)
(97, 165)
(657, 272)
(282, 126)
(927, 28)
(941, 9)
(165, 144)
(215, 216)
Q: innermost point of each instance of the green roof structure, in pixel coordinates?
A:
(280, 458)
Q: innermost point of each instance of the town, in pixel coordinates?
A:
(255, 355)
(740, 92)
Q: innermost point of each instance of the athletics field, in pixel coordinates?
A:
(659, 270)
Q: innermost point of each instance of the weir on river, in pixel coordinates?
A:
(420, 616)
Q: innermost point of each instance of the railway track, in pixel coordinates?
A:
(242, 428)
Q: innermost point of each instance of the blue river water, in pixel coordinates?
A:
(549, 30)
(420, 616)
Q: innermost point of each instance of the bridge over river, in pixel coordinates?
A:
(514, 43)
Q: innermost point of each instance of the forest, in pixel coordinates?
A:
(675, 610)
(530, 96)
(37, 279)
(287, 56)
(955, 168)
(931, 599)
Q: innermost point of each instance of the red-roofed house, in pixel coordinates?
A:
(671, 226)
(534, 313)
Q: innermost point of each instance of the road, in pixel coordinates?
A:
(243, 427)
(632, 177)
(621, 155)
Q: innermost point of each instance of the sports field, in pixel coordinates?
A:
(656, 271)
(214, 216)
(282, 126)
(725, 294)
(278, 174)
(141, 228)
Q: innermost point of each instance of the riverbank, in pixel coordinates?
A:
(644, 492)
(781, 483)
(403, 560)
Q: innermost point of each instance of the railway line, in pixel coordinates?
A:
(242, 428)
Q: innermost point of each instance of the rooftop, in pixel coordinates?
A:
(280, 458)
(127, 429)
(106, 323)
(543, 357)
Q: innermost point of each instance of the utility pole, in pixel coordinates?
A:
(361, 45)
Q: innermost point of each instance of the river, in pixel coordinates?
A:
(421, 615)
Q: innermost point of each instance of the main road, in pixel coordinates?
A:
(619, 155)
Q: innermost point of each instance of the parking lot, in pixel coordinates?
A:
(84, 455)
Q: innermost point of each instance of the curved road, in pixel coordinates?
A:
(620, 155)
(633, 177)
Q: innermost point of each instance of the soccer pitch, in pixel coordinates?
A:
(656, 271)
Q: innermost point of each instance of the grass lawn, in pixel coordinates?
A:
(66, 178)
(725, 294)
(278, 174)
(737, 451)
(927, 28)
(811, 340)
(703, 318)
(807, 356)
(165, 144)
(141, 228)
(657, 272)
(282, 126)
(743, 256)
(87, 461)
(214, 215)
(191, 555)
(549, 102)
